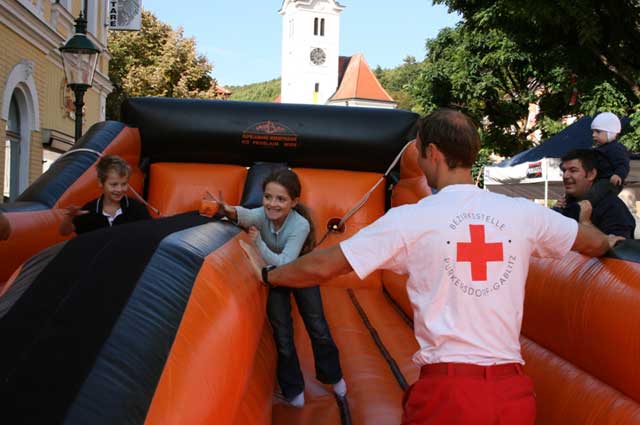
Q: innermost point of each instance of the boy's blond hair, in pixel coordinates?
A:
(112, 163)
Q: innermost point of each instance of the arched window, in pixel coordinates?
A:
(12, 152)
(322, 27)
(315, 26)
(19, 110)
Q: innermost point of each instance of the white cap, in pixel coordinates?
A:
(606, 121)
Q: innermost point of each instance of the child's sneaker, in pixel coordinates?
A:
(340, 388)
(297, 401)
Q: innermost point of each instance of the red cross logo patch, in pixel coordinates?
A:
(478, 252)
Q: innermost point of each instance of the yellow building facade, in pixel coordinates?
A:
(36, 108)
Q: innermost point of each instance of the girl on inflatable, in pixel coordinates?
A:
(282, 230)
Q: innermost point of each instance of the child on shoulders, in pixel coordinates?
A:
(613, 157)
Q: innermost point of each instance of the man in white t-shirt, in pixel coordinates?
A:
(466, 252)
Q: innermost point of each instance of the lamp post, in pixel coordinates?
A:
(79, 57)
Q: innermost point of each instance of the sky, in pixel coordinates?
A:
(242, 39)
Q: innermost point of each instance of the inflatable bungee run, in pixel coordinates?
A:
(162, 321)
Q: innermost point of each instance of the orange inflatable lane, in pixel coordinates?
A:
(374, 394)
(566, 395)
(580, 351)
(177, 187)
(330, 194)
(207, 373)
(396, 335)
(255, 407)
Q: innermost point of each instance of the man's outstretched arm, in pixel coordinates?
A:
(591, 241)
(308, 270)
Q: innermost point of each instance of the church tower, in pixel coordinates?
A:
(310, 49)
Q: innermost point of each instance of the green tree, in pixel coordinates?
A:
(631, 138)
(569, 58)
(156, 61)
(486, 75)
(595, 40)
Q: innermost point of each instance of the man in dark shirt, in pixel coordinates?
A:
(610, 215)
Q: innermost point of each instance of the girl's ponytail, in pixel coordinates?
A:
(310, 242)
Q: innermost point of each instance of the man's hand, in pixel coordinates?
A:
(255, 259)
(615, 180)
(225, 209)
(585, 212)
(69, 213)
(562, 202)
(73, 211)
(614, 239)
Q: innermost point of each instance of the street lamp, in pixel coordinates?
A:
(79, 57)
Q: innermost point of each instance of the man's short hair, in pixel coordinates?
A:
(455, 135)
(587, 157)
(112, 163)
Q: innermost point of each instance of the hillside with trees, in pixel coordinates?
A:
(265, 91)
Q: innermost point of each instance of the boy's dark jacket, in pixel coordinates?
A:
(613, 158)
(131, 211)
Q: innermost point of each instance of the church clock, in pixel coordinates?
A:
(318, 56)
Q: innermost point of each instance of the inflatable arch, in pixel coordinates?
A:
(161, 322)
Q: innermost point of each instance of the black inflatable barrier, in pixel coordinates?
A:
(24, 206)
(66, 336)
(628, 250)
(48, 188)
(312, 136)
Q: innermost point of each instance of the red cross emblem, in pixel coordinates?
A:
(479, 253)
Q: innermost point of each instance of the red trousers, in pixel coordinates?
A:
(465, 394)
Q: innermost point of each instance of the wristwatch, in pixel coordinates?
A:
(265, 274)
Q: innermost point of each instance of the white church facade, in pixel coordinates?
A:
(313, 72)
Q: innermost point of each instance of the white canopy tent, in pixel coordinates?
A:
(541, 179)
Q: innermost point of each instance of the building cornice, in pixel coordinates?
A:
(58, 11)
(33, 28)
(29, 26)
(308, 5)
